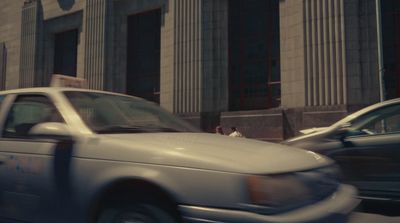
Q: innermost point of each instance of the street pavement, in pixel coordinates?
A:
(359, 217)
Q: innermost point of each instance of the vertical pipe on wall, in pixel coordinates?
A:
(380, 55)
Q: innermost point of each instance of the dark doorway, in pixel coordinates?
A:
(391, 47)
(254, 70)
(65, 52)
(143, 64)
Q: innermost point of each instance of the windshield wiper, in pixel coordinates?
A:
(133, 129)
(119, 129)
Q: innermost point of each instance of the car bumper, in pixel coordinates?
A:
(334, 209)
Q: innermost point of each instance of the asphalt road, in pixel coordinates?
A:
(359, 217)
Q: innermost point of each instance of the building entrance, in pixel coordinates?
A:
(143, 56)
(254, 75)
(65, 52)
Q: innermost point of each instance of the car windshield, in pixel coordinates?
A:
(366, 114)
(109, 113)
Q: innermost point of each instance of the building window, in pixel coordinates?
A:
(143, 65)
(254, 66)
(65, 52)
(391, 47)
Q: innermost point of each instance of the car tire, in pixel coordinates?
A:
(138, 213)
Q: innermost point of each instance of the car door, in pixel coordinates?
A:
(27, 173)
(370, 153)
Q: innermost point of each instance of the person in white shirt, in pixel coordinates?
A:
(235, 133)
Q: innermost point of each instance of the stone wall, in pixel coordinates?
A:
(260, 124)
(292, 35)
(10, 35)
(361, 50)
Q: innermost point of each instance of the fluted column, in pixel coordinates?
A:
(328, 53)
(98, 15)
(194, 56)
(187, 56)
(30, 43)
(325, 55)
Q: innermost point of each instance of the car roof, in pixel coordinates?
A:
(349, 118)
(51, 90)
(373, 107)
(383, 103)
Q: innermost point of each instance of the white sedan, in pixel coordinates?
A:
(74, 155)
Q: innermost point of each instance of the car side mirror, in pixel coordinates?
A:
(51, 130)
(342, 133)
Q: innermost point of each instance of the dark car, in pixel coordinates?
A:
(366, 145)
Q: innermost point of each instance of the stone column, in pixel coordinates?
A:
(328, 52)
(31, 33)
(194, 56)
(187, 56)
(313, 53)
(181, 70)
(98, 33)
(325, 58)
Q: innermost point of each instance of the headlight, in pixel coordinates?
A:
(280, 193)
(277, 191)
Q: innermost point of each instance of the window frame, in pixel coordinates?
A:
(11, 100)
(360, 127)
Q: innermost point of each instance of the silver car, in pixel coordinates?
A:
(73, 155)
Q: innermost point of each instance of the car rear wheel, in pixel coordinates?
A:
(135, 213)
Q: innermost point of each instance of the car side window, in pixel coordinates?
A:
(385, 120)
(27, 111)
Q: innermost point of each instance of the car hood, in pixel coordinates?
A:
(203, 151)
(312, 130)
(319, 133)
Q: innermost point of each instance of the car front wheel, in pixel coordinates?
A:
(135, 213)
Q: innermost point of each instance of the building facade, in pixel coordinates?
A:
(269, 67)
